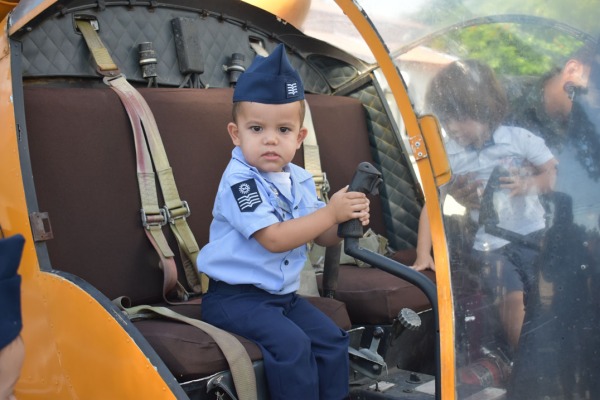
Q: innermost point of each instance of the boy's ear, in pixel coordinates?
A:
(577, 73)
(573, 68)
(301, 136)
(232, 128)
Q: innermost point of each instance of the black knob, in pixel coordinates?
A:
(378, 332)
(413, 378)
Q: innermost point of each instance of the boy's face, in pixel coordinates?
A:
(468, 132)
(268, 134)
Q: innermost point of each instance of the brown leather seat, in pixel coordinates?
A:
(189, 353)
(83, 163)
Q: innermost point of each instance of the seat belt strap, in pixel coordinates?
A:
(236, 355)
(312, 159)
(175, 209)
(103, 60)
(154, 217)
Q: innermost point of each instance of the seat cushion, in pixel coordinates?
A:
(373, 296)
(189, 353)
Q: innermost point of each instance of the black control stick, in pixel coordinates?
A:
(367, 179)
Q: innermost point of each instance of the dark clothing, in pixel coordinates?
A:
(313, 347)
(558, 355)
(528, 112)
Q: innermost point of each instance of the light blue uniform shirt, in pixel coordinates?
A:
(247, 202)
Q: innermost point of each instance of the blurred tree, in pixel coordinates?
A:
(548, 33)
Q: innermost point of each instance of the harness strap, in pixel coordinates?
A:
(237, 357)
(104, 62)
(312, 159)
(174, 212)
(153, 217)
(175, 209)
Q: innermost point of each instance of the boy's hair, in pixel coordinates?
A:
(467, 90)
(584, 54)
(236, 106)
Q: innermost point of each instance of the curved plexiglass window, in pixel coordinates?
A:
(521, 213)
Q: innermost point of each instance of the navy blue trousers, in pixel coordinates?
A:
(305, 354)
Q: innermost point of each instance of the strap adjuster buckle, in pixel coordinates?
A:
(322, 185)
(178, 213)
(151, 220)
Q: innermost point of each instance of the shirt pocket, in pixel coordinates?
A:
(282, 207)
(305, 208)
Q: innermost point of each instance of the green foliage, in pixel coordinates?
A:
(522, 37)
(510, 48)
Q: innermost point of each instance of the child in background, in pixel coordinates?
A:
(471, 104)
(265, 212)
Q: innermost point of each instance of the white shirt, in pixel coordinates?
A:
(511, 147)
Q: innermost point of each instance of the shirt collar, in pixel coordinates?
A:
(488, 143)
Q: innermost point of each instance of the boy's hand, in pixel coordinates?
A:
(346, 205)
(519, 182)
(518, 185)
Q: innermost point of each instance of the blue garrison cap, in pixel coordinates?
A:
(270, 80)
(11, 249)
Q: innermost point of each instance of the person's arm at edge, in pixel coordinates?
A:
(424, 244)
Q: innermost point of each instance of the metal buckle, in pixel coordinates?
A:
(326, 188)
(153, 220)
(170, 213)
(322, 185)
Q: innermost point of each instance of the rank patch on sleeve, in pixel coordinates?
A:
(247, 196)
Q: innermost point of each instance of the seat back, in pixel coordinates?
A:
(84, 169)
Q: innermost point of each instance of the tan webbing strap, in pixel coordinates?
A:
(101, 56)
(176, 210)
(312, 159)
(154, 217)
(237, 357)
(259, 49)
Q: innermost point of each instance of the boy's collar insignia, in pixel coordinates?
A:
(246, 195)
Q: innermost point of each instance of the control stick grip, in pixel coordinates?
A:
(366, 179)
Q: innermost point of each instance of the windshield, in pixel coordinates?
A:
(514, 85)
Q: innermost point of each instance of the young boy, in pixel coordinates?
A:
(12, 350)
(471, 105)
(265, 212)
